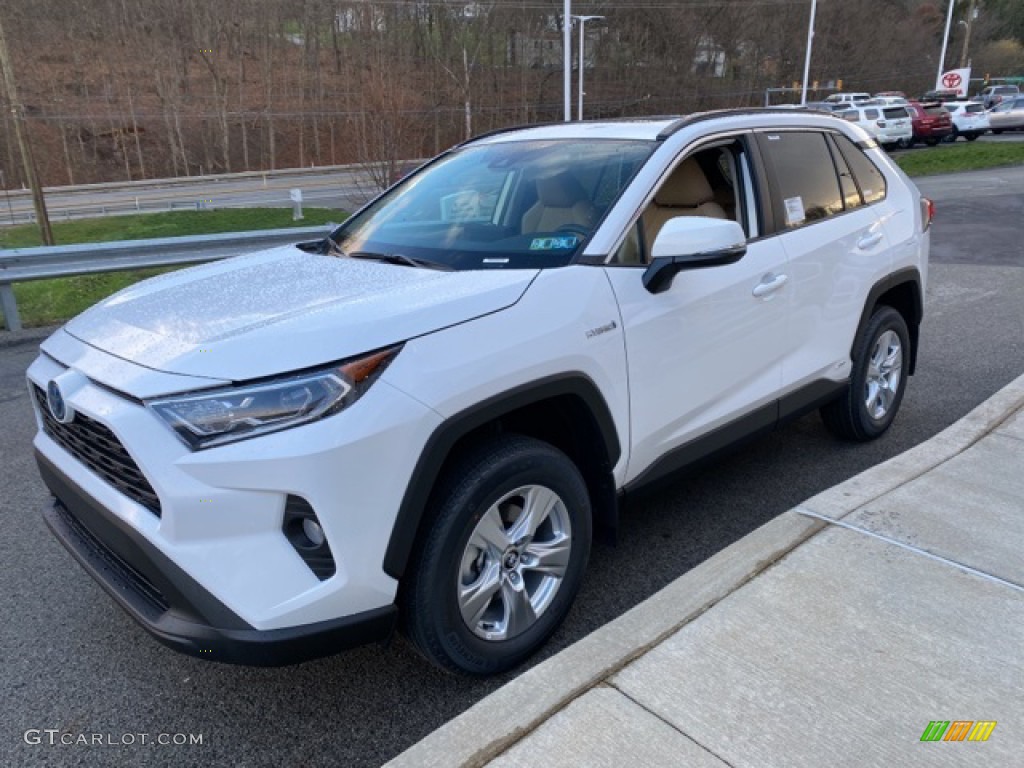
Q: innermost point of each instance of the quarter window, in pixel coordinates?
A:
(869, 179)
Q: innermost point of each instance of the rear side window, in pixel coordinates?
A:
(870, 114)
(974, 108)
(869, 179)
(805, 188)
(850, 115)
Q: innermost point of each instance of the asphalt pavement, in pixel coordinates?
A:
(75, 663)
(879, 623)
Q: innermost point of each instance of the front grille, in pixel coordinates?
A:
(99, 449)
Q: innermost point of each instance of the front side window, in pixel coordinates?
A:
(517, 204)
(714, 182)
(804, 181)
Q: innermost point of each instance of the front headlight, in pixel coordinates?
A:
(223, 416)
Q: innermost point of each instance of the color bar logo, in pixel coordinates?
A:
(958, 730)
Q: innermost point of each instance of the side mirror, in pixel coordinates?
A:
(692, 242)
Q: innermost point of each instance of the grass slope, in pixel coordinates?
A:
(44, 302)
(962, 156)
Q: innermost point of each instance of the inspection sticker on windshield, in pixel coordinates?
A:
(795, 210)
(554, 243)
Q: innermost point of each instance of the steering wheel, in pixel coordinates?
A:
(576, 229)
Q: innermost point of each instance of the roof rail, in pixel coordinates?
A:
(699, 117)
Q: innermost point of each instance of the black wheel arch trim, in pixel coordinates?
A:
(907, 275)
(441, 442)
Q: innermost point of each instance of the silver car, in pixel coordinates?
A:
(1007, 116)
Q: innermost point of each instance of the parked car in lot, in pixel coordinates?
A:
(431, 412)
(847, 98)
(995, 94)
(969, 119)
(941, 95)
(931, 123)
(1008, 115)
(890, 125)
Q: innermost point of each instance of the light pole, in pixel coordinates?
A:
(567, 59)
(810, 45)
(583, 23)
(945, 42)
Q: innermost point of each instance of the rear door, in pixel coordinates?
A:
(829, 222)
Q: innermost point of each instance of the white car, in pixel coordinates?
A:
(891, 125)
(970, 119)
(430, 413)
(847, 98)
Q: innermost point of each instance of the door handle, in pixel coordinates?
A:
(869, 241)
(769, 284)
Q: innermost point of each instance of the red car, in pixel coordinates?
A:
(932, 122)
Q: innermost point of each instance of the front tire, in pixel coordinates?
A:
(504, 558)
(880, 359)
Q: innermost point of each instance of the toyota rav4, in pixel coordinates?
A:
(424, 419)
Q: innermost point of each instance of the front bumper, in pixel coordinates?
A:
(171, 605)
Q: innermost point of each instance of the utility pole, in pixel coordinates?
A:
(971, 13)
(18, 112)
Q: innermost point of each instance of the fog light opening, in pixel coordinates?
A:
(312, 530)
(304, 532)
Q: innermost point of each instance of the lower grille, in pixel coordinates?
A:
(98, 448)
(153, 599)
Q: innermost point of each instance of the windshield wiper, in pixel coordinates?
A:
(397, 258)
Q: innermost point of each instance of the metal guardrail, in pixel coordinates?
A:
(24, 264)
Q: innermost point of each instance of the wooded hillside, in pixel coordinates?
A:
(127, 89)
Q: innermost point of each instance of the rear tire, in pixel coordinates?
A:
(503, 559)
(931, 142)
(881, 355)
(971, 136)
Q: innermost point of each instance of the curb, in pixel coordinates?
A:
(510, 713)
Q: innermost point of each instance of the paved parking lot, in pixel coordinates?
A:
(73, 662)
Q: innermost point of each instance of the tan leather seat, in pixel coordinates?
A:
(685, 193)
(561, 201)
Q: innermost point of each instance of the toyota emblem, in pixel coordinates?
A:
(59, 408)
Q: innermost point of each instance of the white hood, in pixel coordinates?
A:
(283, 310)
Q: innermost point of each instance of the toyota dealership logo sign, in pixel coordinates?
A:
(955, 80)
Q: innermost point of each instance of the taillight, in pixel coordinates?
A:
(927, 213)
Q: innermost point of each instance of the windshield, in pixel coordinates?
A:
(508, 205)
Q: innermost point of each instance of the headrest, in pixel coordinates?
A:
(560, 191)
(687, 187)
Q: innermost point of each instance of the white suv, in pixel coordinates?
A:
(429, 414)
(970, 119)
(890, 124)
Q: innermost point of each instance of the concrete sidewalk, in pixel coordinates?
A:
(831, 636)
